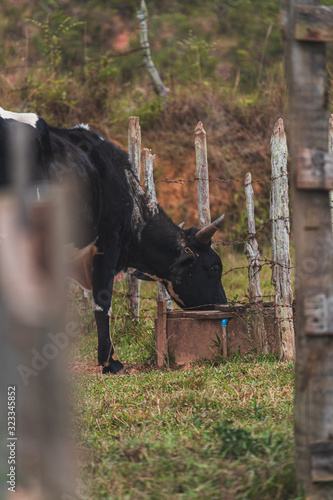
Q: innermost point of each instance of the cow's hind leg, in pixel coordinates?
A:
(102, 294)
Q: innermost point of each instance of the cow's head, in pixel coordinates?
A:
(195, 276)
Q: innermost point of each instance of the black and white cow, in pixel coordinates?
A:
(121, 224)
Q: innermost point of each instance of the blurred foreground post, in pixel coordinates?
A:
(281, 271)
(304, 34)
(253, 257)
(330, 150)
(134, 151)
(38, 462)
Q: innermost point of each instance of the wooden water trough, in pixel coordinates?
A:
(187, 336)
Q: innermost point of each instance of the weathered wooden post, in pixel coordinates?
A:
(161, 332)
(202, 175)
(305, 28)
(281, 272)
(147, 166)
(164, 303)
(34, 337)
(253, 257)
(134, 151)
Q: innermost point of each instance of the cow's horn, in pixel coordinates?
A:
(206, 233)
(181, 225)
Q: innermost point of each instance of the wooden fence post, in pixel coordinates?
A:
(253, 257)
(308, 128)
(202, 175)
(161, 332)
(134, 149)
(147, 166)
(281, 271)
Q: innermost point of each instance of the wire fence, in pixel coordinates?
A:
(276, 303)
(167, 180)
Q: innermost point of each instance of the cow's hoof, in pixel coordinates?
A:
(114, 367)
(123, 371)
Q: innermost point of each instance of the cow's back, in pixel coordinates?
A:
(35, 148)
(103, 170)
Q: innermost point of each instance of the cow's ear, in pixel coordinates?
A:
(185, 260)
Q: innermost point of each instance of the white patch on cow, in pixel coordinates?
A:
(181, 240)
(153, 207)
(82, 125)
(86, 126)
(29, 118)
(138, 222)
(95, 306)
(38, 194)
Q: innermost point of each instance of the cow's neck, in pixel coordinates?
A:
(153, 250)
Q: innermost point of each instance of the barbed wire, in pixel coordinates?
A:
(273, 263)
(233, 304)
(180, 180)
(250, 236)
(268, 308)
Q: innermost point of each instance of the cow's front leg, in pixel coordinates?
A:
(102, 279)
(106, 354)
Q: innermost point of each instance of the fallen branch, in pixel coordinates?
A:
(159, 87)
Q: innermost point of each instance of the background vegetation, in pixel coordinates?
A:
(78, 62)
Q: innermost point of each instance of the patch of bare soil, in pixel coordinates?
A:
(137, 368)
(81, 368)
(96, 369)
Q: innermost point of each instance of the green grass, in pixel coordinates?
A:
(207, 432)
(236, 281)
(222, 429)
